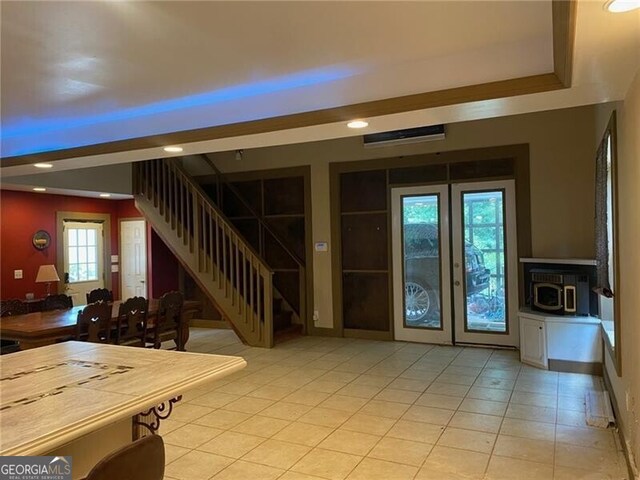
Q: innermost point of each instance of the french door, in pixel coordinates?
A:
(455, 263)
(83, 259)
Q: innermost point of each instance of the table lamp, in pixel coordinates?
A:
(48, 274)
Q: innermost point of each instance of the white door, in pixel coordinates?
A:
(421, 264)
(83, 259)
(476, 266)
(485, 262)
(133, 258)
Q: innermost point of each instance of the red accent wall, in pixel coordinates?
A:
(164, 267)
(24, 213)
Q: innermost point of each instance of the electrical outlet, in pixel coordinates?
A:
(17, 274)
(316, 315)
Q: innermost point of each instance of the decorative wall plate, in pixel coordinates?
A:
(41, 239)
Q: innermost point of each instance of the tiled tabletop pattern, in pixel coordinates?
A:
(333, 408)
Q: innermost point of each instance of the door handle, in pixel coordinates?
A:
(456, 283)
(141, 281)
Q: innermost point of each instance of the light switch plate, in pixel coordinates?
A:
(17, 274)
(322, 246)
(114, 268)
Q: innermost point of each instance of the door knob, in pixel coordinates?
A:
(457, 265)
(456, 283)
(141, 281)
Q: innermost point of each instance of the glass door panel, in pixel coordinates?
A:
(421, 252)
(485, 262)
(421, 264)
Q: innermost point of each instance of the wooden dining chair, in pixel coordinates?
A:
(8, 308)
(99, 294)
(13, 307)
(94, 323)
(141, 460)
(57, 302)
(132, 322)
(168, 324)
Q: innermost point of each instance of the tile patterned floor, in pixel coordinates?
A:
(333, 408)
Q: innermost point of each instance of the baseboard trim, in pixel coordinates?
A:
(616, 410)
(323, 331)
(569, 366)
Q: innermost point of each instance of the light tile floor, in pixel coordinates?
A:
(335, 408)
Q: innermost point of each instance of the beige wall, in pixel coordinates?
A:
(628, 129)
(562, 179)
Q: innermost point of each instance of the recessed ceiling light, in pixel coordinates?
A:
(620, 6)
(173, 149)
(105, 195)
(358, 124)
(39, 189)
(43, 165)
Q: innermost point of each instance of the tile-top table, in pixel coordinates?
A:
(81, 399)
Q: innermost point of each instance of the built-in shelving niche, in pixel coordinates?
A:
(573, 265)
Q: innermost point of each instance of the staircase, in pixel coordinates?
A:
(227, 269)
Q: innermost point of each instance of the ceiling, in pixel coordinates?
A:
(82, 73)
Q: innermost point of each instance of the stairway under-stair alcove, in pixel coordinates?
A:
(244, 240)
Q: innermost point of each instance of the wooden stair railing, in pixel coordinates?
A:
(263, 227)
(225, 266)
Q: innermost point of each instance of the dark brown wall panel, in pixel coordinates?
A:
(364, 241)
(366, 301)
(363, 191)
(482, 169)
(288, 284)
(291, 230)
(421, 174)
(249, 230)
(284, 196)
(275, 255)
(251, 191)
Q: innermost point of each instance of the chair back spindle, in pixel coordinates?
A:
(94, 323)
(132, 321)
(99, 294)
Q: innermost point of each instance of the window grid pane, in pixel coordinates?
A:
(83, 255)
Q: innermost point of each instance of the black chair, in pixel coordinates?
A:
(132, 322)
(168, 324)
(57, 302)
(99, 294)
(8, 308)
(140, 460)
(13, 307)
(94, 323)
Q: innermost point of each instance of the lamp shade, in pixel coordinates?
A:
(47, 273)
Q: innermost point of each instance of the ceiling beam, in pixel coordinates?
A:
(564, 34)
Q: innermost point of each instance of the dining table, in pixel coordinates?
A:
(36, 329)
(82, 400)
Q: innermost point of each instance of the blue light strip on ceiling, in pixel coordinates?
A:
(28, 126)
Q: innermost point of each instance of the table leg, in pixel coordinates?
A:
(148, 423)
